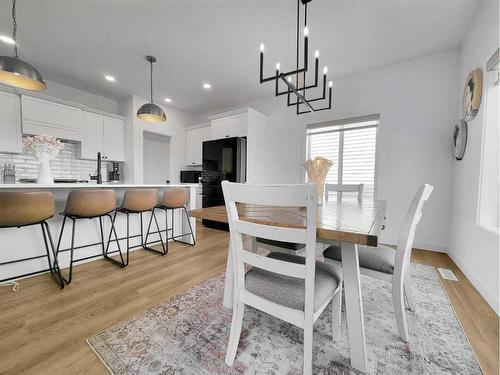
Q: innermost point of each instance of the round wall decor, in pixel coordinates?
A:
(460, 139)
(473, 91)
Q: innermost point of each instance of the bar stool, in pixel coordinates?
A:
(139, 201)
(89, 204)
(31, 208)
(172, 200)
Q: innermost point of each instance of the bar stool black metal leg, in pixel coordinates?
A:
(174, 236)
(123, 263)
(70, 275)
(54, 268)
(164, 246)
(190, 227)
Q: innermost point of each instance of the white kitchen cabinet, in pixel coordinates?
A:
(10, 123)
(114, 139)
(92, 135)
(41, 116)
(234, 125)
(102, 134)
(194, 145)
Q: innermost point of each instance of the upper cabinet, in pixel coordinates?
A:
(102, 134)
(229, 125)
(114, 139)
(41, 116)
(10, 123)
(194, 142)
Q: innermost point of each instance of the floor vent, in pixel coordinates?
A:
(447, 274)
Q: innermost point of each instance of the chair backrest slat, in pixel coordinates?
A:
(301, 195)
(273, 265)
(294, 235)
(344, 188)
(412, 218)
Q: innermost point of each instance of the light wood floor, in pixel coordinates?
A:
(43, 329)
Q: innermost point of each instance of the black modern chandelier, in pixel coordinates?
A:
(299, 86)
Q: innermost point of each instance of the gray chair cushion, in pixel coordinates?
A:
(285, 245)
(290, 291)
(380, 258)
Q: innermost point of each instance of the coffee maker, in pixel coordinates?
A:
(114, 173)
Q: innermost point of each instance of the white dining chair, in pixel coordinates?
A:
(392, 265)
(292, 288)
(344, 188)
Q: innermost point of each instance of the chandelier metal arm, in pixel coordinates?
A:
(314, 85)
(299, 112)
(296, 92)
(290, 104)
(292, 72)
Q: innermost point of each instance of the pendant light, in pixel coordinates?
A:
(151, 112)
(16, 72)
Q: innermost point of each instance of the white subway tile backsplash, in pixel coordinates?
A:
(66, 165)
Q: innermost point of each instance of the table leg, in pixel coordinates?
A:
(229, 284)
(354, 306)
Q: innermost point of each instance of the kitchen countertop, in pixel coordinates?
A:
(90, 186)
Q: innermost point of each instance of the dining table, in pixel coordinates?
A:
(346, 223)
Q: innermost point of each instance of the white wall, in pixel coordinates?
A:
(416, 101)
(174, 128)
(474, 249)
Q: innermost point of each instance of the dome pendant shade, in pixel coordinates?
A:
(152, 113)
(18, 73)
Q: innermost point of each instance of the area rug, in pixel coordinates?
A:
(188, 334)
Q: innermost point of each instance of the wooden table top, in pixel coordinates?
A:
(348, 221)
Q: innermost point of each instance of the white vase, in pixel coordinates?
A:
(44, 171)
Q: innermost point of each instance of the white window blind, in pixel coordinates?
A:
(351, 145)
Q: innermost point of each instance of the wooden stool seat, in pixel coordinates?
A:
(174, 198)
(18, 209)
(90, 203)
(139, 200)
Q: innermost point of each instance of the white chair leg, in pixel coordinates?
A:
(399, 310)
(234, 337)
(409, 292)
(308, 346)
(337, 315)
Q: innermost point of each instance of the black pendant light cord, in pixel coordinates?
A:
(14, 27)
(151, 80)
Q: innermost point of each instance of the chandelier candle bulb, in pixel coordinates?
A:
(316, 54)
(325, 70)
(306, 31)
(262, 47)
(330, 84)
(278, 66)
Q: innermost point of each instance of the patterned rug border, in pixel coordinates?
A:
(456, 315)
(217, 275)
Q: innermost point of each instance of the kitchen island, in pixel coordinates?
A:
(28, 242)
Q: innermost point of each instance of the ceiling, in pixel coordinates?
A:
(77, 42)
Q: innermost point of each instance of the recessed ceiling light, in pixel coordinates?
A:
(110, 78)
(7, 39)
(207, 86)
(168, 100)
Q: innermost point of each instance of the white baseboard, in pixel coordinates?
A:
(490, 297)
(439, 248)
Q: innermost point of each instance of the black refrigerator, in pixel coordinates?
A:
(223, 159)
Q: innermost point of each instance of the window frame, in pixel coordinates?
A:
(375, 118)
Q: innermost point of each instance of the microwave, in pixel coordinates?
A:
(190, 177)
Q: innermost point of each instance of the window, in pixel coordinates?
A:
(351, 145)
(488, 202)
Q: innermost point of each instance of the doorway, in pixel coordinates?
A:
(156, 158)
